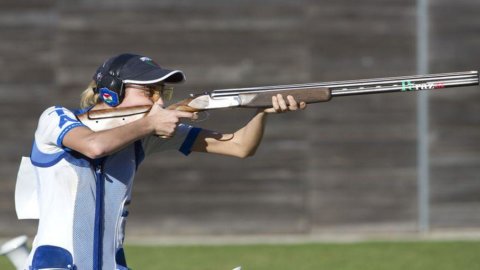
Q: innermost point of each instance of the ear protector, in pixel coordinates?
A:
(110, 87)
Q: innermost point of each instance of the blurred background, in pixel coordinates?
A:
(348, 166)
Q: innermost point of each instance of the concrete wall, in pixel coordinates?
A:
(346, 165)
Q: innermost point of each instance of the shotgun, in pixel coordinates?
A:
(260, 97)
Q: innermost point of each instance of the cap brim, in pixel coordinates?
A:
(158, 75)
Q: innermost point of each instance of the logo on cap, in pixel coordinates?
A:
(148, 60)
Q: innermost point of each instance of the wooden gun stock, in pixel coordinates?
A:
(183, 105)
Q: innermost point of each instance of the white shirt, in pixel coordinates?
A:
(81, 220)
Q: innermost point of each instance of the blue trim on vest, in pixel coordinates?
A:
(65, 131)
(43, 160)
(77, 159)
(82, 111)
(188, 143)
(64, 119)
(99, 214)
(49, 257)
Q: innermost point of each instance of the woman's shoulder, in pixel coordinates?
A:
(57, 112)
(56, 116)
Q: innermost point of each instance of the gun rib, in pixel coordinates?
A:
(369, 86)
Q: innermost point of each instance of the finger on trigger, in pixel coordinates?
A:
(182, 114)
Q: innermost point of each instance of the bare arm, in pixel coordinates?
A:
(98, 144)
(92, 144)
(245, 141)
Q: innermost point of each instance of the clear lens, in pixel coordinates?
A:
(167, 92)
(157, 89)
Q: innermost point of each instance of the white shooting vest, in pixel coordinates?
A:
(81, 219)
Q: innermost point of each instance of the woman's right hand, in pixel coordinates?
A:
(164, 121)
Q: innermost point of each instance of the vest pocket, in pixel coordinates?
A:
(52, 257)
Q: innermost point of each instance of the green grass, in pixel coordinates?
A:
(358, 256)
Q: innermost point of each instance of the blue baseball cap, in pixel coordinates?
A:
(139, 69)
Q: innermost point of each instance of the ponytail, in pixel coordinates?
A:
(88, 97)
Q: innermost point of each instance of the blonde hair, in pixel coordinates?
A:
(88, 97)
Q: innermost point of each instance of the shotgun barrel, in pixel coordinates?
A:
(370, 86)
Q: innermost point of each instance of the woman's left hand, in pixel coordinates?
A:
(280, 105)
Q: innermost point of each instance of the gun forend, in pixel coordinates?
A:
(306, 94)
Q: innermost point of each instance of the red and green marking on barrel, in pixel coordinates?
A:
(409, 86)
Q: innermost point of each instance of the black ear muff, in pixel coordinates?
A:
(110, 87)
